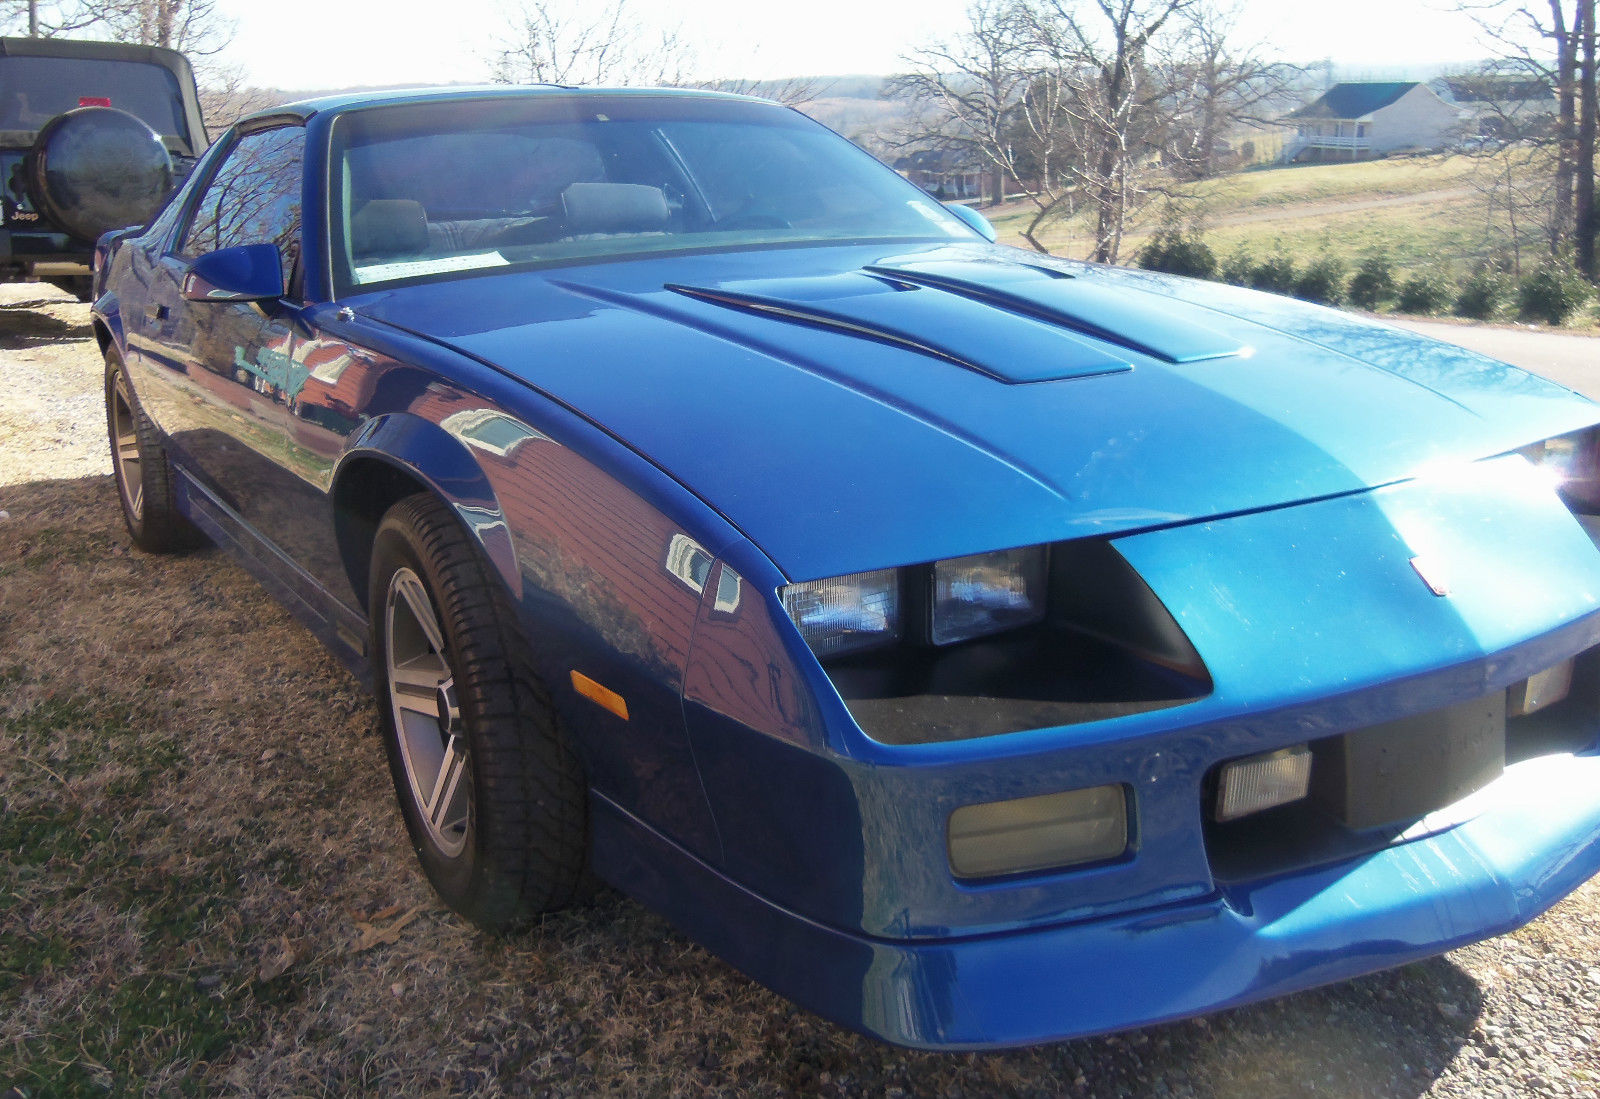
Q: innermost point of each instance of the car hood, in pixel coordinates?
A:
(851, 408)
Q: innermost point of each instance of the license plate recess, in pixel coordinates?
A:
(1405, 769)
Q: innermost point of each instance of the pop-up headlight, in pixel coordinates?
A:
(997, 642)
(845, 614)
(987, 593)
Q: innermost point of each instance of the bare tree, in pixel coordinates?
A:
(197, 27)
(1076, 101)
(1114, 99)
(1216, 83)
(555, 42)
(225, 97)
(1554, 41)
(1516, 180)
(1586, 219)
(566, 42)
(51, 19)
(792, 91)
(964, 95)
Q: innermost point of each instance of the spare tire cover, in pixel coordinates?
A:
(96, 169)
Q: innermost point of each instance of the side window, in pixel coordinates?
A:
(254, 198)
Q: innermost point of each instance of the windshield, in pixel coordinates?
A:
(431, 190)
(33, 90)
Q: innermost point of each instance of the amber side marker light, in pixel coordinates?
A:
(601, 696)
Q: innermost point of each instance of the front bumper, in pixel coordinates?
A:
(834, 886)
(1515, 848)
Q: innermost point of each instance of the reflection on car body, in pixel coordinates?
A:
(977, 647)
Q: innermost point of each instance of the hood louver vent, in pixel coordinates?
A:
(959, 329)
(1167, 329)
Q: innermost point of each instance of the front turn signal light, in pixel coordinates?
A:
(1046, 832)
(1264, 781)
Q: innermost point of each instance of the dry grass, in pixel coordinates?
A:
(1425, 213)
(204, 888)
(1428, 207)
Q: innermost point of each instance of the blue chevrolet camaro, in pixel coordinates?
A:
(976, 647)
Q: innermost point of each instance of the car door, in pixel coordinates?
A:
(219, 374)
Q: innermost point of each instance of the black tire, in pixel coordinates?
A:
(143, 472)
(508, 835)
(95, 169)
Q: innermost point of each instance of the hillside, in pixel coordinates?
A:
(1421, 210)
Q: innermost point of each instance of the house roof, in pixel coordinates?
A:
(1497, 89)
(936, 160)
(1354, 100)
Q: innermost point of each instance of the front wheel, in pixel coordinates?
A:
(492, 794)
(144, 474)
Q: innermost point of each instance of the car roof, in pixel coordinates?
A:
(345, 101)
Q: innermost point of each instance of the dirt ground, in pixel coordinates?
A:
(205, 886)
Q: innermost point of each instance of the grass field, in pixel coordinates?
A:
(1309, 204)
(1425, 212)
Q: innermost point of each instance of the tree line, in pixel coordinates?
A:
(1099, 107)
(1093, 107)
(193, 26)
(1543, 162)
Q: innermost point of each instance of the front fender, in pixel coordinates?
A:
(432, 456)
(106, 316)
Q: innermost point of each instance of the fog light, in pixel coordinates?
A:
(1538, 691)
(1038, 833)
(1262, 782)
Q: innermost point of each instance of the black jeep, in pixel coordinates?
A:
(93, 136)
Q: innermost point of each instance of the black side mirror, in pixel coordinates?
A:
(250, 272)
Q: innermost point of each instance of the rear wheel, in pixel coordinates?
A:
(492, 794)
(144, 475)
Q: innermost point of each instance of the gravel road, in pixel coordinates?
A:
(607, 1000)
(1565, 357)
(52, 418)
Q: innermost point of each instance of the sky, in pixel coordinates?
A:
(305, 44)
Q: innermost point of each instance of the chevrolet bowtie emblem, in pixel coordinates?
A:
(1432, 574)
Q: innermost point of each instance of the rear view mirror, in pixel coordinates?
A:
(250, 272)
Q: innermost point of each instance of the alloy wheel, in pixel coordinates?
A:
(125, 441)
(427, 712)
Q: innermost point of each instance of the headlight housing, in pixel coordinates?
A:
(943, 603)
(846, 614)
(996, 642)
(1572, 462)
(987, 593)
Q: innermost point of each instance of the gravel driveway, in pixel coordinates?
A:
(204, 884)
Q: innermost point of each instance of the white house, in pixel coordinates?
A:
(1357, 121)
(1500, 105)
